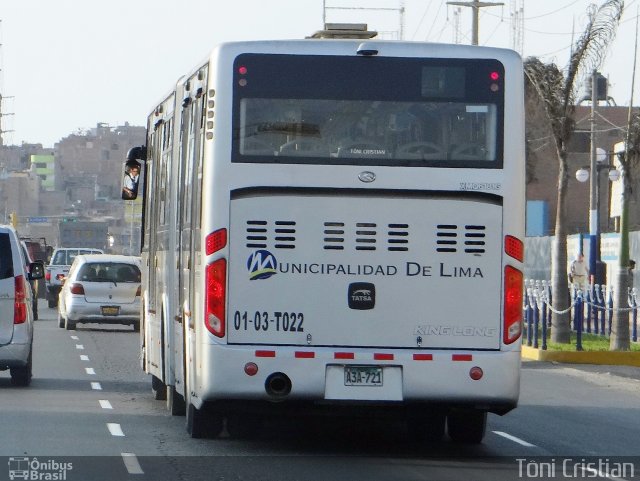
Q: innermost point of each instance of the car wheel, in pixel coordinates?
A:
(136, 326)
(52, 303)
(69, 325)
(61, 321)
(21, 376)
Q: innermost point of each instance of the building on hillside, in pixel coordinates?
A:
(45, 167)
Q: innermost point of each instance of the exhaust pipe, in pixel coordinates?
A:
(278, 385)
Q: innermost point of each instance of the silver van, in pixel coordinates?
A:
(16, 310)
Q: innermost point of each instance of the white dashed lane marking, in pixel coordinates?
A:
(84, 358)
(115, 429)
(75, 338)
(96, 386)
(104, 404)
(90, 370)
(514, 439)
(79, 347)
(131, 463)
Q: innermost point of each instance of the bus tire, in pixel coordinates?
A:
(467, 426)
(429, 428)
(158, 388)
(175, 402)
(201, 424)
(243, 427)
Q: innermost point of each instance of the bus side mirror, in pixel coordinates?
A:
(131, 175)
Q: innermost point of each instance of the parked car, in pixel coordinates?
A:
(101, 288)
(16, 312)
(61, 261)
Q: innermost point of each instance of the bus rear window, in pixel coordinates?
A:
(404, 112)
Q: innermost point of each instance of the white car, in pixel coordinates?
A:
(101, 288)
(58, 269)
(16, 308)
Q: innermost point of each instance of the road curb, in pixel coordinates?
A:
(612, 358)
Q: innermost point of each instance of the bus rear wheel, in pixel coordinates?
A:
(467, 426)
(426, 428)
(203, 424)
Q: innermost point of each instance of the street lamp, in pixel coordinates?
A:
(583, 175)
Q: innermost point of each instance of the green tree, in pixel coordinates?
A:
(557, 93)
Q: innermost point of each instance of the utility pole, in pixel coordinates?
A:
(476, 6)
(594, 221)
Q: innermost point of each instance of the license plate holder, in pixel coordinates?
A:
(363, 376)
(110, 310)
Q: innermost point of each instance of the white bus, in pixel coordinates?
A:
(336, 225)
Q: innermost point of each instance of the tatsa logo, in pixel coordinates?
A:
(262, 264)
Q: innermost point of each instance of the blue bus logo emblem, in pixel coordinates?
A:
(262, 264)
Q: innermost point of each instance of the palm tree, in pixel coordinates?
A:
(557, 92)
(628, 158)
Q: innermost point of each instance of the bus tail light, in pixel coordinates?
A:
(513, 280)
(215, 297)
(215, 241)
(20, 303)
(514, 247)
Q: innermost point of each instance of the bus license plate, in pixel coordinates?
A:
(362, 376)
(110, 310)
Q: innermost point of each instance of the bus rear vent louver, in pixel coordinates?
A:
(398, 237)
(336, 235)
(280, 235)
(450, 238)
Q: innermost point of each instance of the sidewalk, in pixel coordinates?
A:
(624, 372)
(621, 364)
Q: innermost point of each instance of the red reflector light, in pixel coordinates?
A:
(514, 247)
(20, 303)
(476, 373)
(47, 275)
(215, 297)
(494, 76)
(251, 369)
(242, 70)
(77, 289)
(265, 353)
(215, 241)
(513, 281)
(461, 357)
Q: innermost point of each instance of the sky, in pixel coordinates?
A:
(67, 65)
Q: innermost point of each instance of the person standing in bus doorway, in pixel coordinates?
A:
(579, 273)
(130, 188)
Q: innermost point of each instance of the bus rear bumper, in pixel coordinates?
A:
(319, 376)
